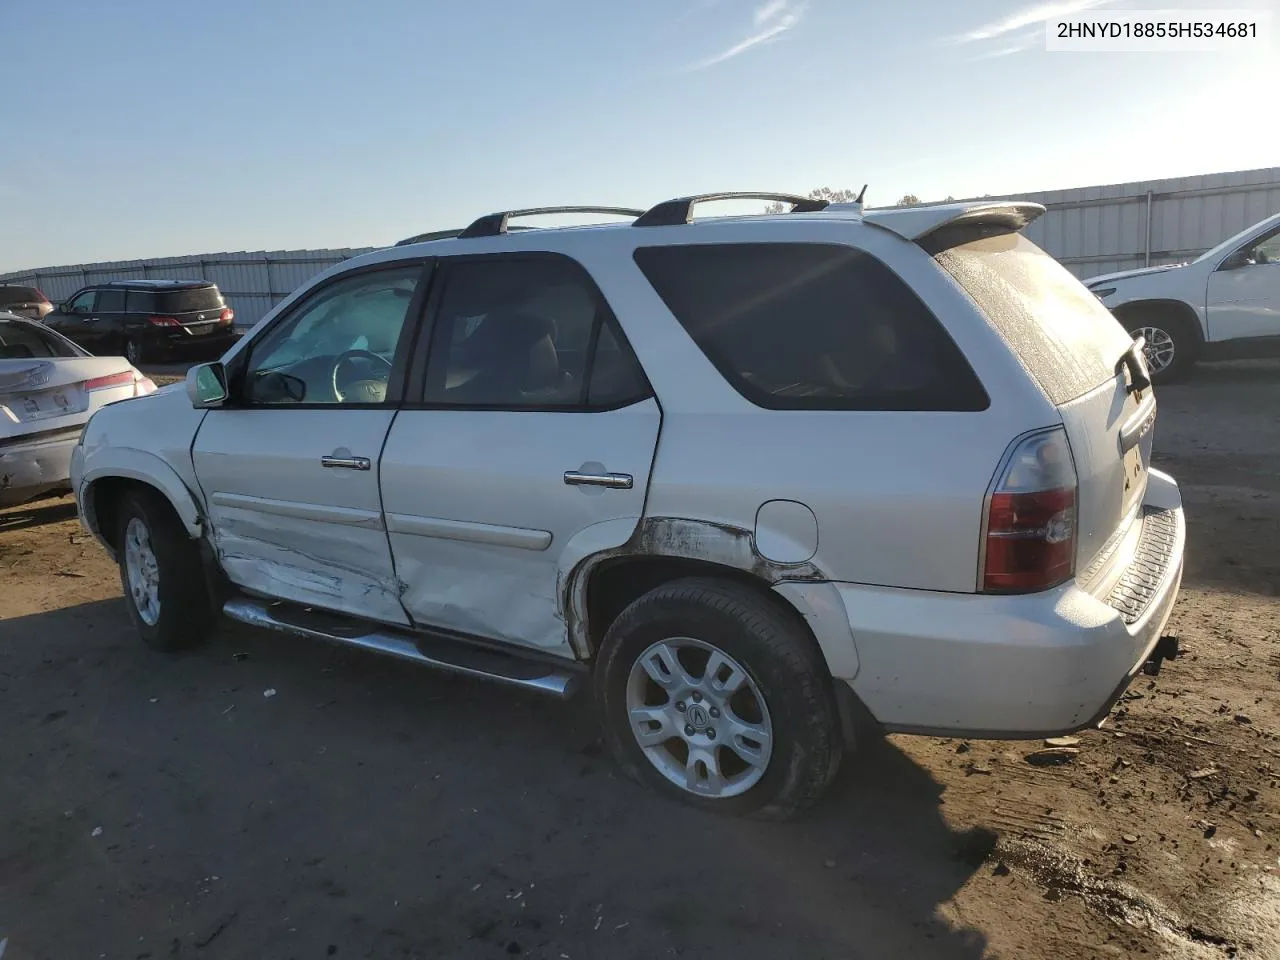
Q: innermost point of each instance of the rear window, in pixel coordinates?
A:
(9, 295)
(182, 301)
(1060, 331)
(806, 326)
(24, 341)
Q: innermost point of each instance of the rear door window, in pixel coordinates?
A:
(807, 326)
(140, 301)
(110, 301)
(1067, 340)
(525, 334)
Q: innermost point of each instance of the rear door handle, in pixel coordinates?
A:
(614, 481)
(350, 463)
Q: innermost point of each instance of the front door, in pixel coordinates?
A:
(1244, 298)
(531, 446)
(76, 320)
(289, 469)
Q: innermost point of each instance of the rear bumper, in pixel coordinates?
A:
(1018, 666)
(29, 468)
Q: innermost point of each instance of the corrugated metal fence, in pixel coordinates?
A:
(1095, 230)
(252, 283)
(1092, 230)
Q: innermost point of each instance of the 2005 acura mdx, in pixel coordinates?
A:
(757, 481)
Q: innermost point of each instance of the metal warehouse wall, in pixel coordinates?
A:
(1092, 230)
(252, 283)
(1095, 230)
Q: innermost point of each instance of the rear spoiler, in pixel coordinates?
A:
(944, 225)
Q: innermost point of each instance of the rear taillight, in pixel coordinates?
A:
(122, 379)
(227, 316)
(163, 321)
(1029, 538)
(142, 385)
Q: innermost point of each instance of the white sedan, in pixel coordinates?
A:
(49, 388)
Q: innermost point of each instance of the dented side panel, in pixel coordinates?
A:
(483, 523)
(681, 538)
(285, 526)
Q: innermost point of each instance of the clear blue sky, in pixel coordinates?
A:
(142, 128)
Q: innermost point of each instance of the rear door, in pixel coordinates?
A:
(106, 333)
(1085, 363)
(289, 469)
(534, 424)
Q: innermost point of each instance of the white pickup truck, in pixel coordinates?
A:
(1223, 305)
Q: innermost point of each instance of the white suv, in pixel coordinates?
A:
(752, 479)
(1223, 305)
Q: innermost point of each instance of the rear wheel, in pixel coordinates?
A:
(134, 351)
(1171, 345)
(161, 574)
(712, 695)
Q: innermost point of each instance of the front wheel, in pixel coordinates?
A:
(1169, 345)
(711, 694)
(161, 575)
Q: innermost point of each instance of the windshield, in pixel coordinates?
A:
(1229, 244)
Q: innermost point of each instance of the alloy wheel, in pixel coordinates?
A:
(699, 717)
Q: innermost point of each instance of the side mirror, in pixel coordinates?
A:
(207, 385)
(1237, 260)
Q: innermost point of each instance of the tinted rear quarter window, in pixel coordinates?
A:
(1063, 335)
(812, 326)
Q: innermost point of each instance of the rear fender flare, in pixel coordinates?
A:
(802, 585)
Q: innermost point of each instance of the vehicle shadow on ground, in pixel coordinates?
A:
(37, 514)
(1230, 371)
(342, 799)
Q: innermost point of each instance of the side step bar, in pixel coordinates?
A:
(450, 655)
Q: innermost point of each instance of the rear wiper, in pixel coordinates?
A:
(1139, 379)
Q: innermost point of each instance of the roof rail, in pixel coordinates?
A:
(679, 211)
(495, 224)
(431, 235)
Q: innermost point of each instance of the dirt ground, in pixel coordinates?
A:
(269, 798)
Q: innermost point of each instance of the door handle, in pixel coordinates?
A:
(614, 481)
(350, 463)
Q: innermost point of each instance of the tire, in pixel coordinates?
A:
(1165, 330)
(135, 352)
(181, 616)
(698, 619)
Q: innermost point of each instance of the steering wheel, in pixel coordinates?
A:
(364, 390)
